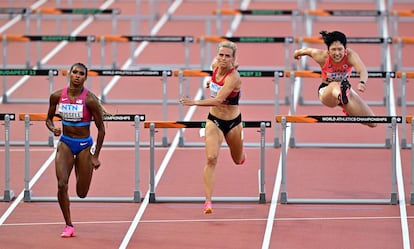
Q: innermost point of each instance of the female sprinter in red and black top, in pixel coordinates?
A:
(76, 106)
(337, 63)
(224, 120)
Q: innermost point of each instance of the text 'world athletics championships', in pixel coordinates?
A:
(357, 119)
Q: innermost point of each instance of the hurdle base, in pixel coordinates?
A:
(87, 199)
(200, 199)
(137, 196)
(404, 144)
(276, 143)
(202, 144)
(8, 196)
(262, 198)
(152, 198)
(392, 201)
(283, 198)
(292, 144)
(27, 195)
(302, 101)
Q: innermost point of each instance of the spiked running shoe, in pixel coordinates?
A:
(68, 232)
(343, 96)
(345, 112)
(208, 207)
(244, 159)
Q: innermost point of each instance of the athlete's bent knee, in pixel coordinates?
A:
(62, 186)
(211, 160)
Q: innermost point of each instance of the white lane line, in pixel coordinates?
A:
(275, 196)
(405, 233)
(108, 222)
(17, 18)
(19, 198)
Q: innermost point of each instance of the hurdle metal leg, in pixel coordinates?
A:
(412, 162)
(261, 175)
(137, 197)
(8, 193)
(393, 197)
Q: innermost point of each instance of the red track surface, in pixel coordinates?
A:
(322, 173)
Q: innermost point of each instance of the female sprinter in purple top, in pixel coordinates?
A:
(336, 64)
(77, 107)
(224, 120)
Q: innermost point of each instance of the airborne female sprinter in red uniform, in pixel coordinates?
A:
(336, 64)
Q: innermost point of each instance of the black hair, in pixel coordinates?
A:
(80, 65)
(331, 37)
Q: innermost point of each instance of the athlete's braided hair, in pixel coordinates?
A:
(330, 37)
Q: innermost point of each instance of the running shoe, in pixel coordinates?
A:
(69, 231)
(345, 112)
(343, 96)
(244, 159)
(208, 207)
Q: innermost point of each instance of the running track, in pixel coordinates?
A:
(331, 173)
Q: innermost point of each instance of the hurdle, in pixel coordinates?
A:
(8, 193)
(287, 41)
(136, 118)
(152, 125)
(82, 13)
(260, 14)
(398, 51)
(276, 75)
(402, 78)
(44, 38)
(356, 15)
(12, 11)
(393, 120)
(131, 73)
(164, 101)
(395, 18)
(114, 39)
(16, 12)
(51, 73)
(410, 120)
(317, 74)
(383, 41)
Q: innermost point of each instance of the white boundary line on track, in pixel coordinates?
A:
(210, 220)
(400, 180)
(20, 197)
(19, 17)
(275, 196)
